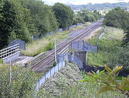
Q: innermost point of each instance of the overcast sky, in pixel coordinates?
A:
(77, 2)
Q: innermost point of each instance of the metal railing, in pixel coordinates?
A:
(10, 53)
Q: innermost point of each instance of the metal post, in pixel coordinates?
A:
(86, 58)
(55, 52)
(10, 73)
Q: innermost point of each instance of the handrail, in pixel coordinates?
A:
(9, 50)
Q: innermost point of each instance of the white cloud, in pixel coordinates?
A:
(83, 1)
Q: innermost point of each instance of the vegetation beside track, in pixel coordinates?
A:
(109, 47)
(47, 43)
(17, 82)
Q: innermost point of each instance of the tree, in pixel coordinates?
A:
(7, 22)
(42, 15)
(64, 15)
(117, 18)
(77, 19)
(23, 26)
(20, 19)
(88, 16)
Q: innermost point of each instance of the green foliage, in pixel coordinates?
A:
(7, 22)
(49, 46)
(42, 15)
(24, 18)
(1, 61)
(88, 16)
(77, 19)
(64, 15)
(54, 64)
(109, 80)
(110, 51)
(118, 18)
(21, 84)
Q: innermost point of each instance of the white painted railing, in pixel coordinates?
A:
(10, 53)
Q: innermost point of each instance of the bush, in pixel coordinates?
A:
(1, 61)
(21, 84)
(50, 46)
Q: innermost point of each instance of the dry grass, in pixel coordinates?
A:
(113, 33)
(108, 46)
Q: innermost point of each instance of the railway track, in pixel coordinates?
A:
(48, 60)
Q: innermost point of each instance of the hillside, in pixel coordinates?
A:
(100, 6)
(67, 84)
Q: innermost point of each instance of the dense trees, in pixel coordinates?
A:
(64, 15)
(22, 19)
(118, 18)
(86, 16)
(42, 15)
(7, 21)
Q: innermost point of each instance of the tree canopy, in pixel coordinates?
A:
(20, 19)
(23, 19)
(64, 15)
(86, 16)
(118, 17)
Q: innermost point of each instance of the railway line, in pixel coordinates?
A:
(48, 59)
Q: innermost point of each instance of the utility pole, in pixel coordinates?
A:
(87, 58)
(55, 52)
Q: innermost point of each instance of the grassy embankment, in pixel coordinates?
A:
(47, 43)
(19, 84)
(108, 47)
(66, 84)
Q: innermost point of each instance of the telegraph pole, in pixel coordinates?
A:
(55, 52)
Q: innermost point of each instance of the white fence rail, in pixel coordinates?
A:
(49, 75)
(10, 53)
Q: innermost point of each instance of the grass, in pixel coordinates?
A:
(46, 43)
(108, 47)
(81, 90)
(1, 61)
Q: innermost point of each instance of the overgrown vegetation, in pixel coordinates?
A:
(67, 84)
(64, 15)
(109, 80)
(118, 18)
(25, 19)
(86, 16)
(17, 82)
(109, 46)
(38, 46)
(1, 61)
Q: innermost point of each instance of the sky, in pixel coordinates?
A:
(77, 2)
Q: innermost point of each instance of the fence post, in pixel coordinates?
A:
(10, 73)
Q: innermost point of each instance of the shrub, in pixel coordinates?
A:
(109, 80)
(50, 46)
(1, 61)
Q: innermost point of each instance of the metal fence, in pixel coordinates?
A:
(10, 53)
(49, 75)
